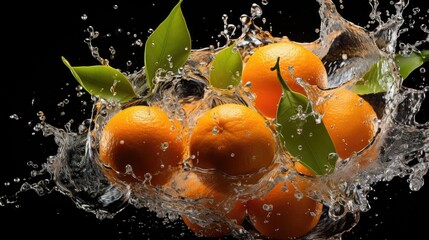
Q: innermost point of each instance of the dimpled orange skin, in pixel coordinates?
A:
(350, 121)
(144, 138)
(193, 188)
(289, 217)
(265, 83)
(232, 139)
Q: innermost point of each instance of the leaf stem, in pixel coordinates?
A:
(279, 76)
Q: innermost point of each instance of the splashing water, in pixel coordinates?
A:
(400, 147)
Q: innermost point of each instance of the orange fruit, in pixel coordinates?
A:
(191, 187)
(144, 138)
(232, 139)
(284, 212)
(213, 201)
(264, 82)
(303, 170)
(350, 120)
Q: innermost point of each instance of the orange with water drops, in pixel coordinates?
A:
(350, 120)
(285, 212)
(232, 140)
(217, 205)
(264, 82)
(144, 138)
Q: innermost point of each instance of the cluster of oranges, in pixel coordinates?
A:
(232, 144)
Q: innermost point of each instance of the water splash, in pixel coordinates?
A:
(400, 148)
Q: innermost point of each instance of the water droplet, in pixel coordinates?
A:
(264, 2)
(256, 10)
(267, 207)
(147, 177)
(332, 156)
(245, 20)
(14, 116)
(232, 155)
(164, 146)
(215, 130)
(299, 195)
(115, 6)
(84, 17)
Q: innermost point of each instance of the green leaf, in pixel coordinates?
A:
(407, 64)
(226, 68)
(169, 46)
(304, 136)
(378, 79)
(103, 81)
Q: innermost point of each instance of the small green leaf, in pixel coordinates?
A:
(226, 68)
(407, 64)
(103, 81)
(378, 79)
(169, 46)
(301, 133)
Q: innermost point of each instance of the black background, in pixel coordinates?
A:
(35, 35)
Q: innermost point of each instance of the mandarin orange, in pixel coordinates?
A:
(232, 139)
(284, 212)
(145, 139)
(189, 185)
(350, 120)
(264, 82)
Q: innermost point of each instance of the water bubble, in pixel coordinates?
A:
(264, 2)
(138, 42)
(224, 18)
(256, 11)
(299, 195)
(147, 177)
(267, 207)
(215, 130)
(164, 146)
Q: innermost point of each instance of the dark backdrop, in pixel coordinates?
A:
(35, 35)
